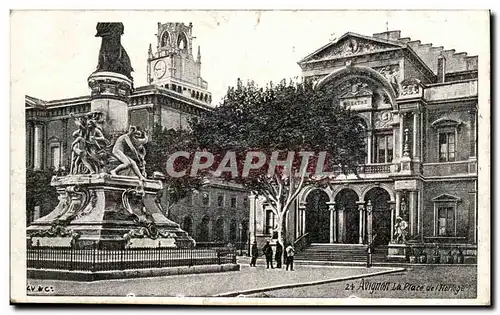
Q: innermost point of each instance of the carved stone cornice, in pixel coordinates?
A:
(110, 85)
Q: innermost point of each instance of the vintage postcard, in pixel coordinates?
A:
(250, 157)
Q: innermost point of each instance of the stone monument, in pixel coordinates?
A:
(107, 199)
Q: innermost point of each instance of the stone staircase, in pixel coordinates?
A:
(345, 253)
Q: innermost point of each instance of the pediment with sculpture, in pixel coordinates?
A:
(350, 45)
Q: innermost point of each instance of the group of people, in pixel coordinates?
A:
(267, 250)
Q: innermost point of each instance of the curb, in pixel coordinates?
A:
(304, 284)
(85, 276)
(377, 264)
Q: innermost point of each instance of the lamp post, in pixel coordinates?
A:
(369, 209)
(240, 228)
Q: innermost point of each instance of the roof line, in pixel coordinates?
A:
(381, 40)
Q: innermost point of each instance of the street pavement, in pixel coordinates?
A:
(429, 281)
(249, 280)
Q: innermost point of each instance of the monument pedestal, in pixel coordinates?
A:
(397, 252)
(108, 212)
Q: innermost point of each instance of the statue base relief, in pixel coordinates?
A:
(106, 211)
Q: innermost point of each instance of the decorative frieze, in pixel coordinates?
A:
(107, 84)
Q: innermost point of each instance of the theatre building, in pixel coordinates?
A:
(175, 92)
(418, 103)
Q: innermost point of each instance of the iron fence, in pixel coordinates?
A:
(123, 259)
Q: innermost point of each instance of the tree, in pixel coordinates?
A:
(165, 142)
(282, 118)
(39, 192)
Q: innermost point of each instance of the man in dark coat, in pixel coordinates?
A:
(255, 254)
(290, 252)
(279, 254)
(268, 251)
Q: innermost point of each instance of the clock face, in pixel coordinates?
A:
(160, 68)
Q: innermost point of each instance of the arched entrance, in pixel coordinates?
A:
(348, 216)
(218, 229)
(381, 215)
(318, 217)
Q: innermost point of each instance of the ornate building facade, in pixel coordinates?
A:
(175, 92)
(418, 104)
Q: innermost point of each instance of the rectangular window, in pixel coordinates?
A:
(446, 146)
(383, 151)
(55, 157)
(220, 200)
(446, 221)
(233, 202)
(269, 222)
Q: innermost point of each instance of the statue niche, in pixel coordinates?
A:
(112, 55)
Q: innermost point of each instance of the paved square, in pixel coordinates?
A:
(244, 281)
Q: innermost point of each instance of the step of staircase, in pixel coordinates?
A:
(341, 253)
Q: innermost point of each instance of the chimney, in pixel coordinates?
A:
(389, 35)
(441, 69)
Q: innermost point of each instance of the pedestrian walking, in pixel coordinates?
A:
(279, 254)
(268, 252)
(255, 254)
(290, 251)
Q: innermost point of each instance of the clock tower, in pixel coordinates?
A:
(173, 67)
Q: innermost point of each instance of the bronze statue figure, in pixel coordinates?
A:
(112, 55)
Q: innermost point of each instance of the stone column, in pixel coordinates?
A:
(341, 229)
(401, 134)
(398, 203)
(251, 222)
(419, 214)
(412, 212)
(333, 223)
(392, 206)
(369, 231)
(369, 147)
(65, 153)
(415, 152)
(36, 213)
(361, 207)
(473, 124)
(302, 219)
(38, 142)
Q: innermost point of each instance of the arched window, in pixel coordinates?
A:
(182, 41)
(165, 39)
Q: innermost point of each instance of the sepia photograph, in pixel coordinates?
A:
(250, 157)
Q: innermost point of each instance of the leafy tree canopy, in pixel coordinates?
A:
(286, 117)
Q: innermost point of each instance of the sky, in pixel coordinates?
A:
(54, 52)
